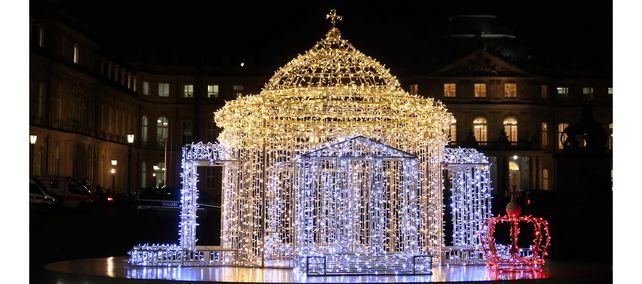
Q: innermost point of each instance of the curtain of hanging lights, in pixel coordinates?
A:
(331, 92)
(356, 208)
(470, 203)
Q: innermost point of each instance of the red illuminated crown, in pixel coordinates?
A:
(511, 257)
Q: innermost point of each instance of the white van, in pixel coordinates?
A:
(70, 192)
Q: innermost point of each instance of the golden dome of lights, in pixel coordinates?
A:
(333, 61)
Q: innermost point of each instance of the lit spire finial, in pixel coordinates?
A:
(333, 17)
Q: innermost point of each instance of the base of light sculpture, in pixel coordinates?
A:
(464, 256)
(353, 264)
(117, 270)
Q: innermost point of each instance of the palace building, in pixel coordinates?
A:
(85, 101)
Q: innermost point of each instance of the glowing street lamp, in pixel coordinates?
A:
(114, 163)
(32, 142)
(130, 141)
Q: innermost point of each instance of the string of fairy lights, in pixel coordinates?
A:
(334, 162)
(469, 172)
(511, 257)
(356, 205)
(331, 92)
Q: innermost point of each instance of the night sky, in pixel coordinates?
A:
(400, 34)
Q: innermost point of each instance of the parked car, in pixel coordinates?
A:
(70, 192)
(39, 196)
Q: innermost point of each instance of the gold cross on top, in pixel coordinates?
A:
(333, 17)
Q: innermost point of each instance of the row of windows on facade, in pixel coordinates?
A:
(163, 88)
(162, 127)
(480, 131)
(510, 90)
(450, 89)
(188, 90)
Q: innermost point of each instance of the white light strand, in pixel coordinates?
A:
(329, 94)
(470, 203)
(357, 209)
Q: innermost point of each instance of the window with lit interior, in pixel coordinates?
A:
(544, 134)
(163, 89)
(452, 131)
(587, 92)
(143, 129)
(510, 127)
(76, 53)
(510, 90)
(188, 91)
(562, 93)
(450, 90)
(480, 90)
(212, 91)
(561, 136)
(161, 130)
(480, 129)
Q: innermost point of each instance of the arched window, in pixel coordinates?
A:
(510, 127)
(480, 129)
(161, 130)
(452, 130)
(143, 129)
(561, 136)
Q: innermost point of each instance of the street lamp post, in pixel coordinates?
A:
(114, 163)
(32, 142)
(130, 141)
(156, 168)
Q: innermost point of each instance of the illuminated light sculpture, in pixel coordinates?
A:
(187, 253)
(469, 173)
(511, 258)
(331, 93)
(357, 210)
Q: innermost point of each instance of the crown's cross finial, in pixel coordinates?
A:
(333, 17)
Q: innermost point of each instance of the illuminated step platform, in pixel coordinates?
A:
(118, 270)
(353, 264)
(331, 264)
(173, 255)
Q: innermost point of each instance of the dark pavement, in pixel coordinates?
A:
(57, 235)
